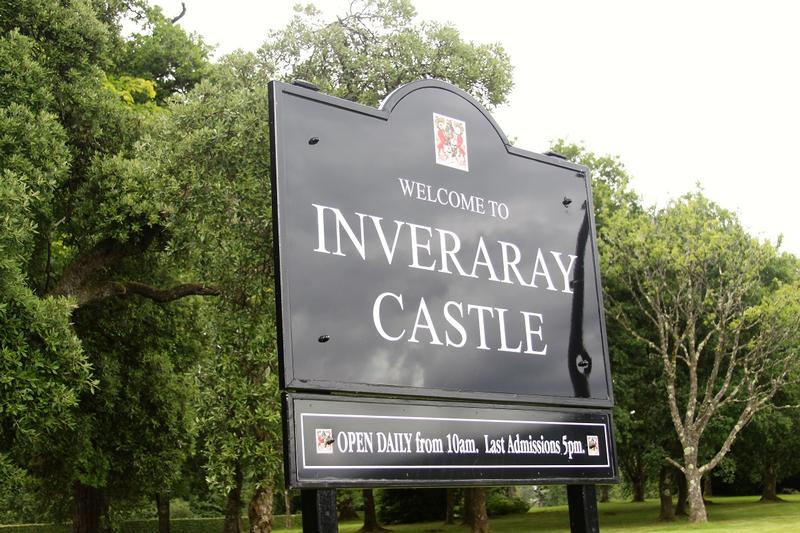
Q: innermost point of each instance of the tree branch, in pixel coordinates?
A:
(182, 13)
(676, 464)
(126, 289)
(86, 267)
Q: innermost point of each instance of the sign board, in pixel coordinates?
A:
(420, 255)
(373, 442)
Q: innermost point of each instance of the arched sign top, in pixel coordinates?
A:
(392, 99)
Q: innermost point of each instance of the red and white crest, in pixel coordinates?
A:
(593, 444)
(450, 142)
(324, 440)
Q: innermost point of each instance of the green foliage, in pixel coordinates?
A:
(220, 156)
(22, 73)
(19, 495)
(498, 503)
(42, 367)
(692, 290)
(164, 54)
(771, 440)
(101, 394)
(68, 37)
(377, 46)
(132, 90)
(133, 433)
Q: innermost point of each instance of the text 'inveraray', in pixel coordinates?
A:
(441, 250)
(426, 241)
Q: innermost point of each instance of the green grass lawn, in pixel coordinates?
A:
(730, 515)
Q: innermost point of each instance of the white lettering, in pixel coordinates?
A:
(481, 309)
(453, 322)
(530, 332)
(388, 252)
(565, 271)
(540, 269)
(501, 321)
(486, 261)
(450, 252)
(416, 246)
(406, 186)
(423, 312)
(376, 315)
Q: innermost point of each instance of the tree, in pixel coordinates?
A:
(219, 149)
(370, 516)
(135, 431)
(164, 54)
(724, 335)
(765, 451)
(478, 517)
(86, 256)
(376, 46)
(44, 369)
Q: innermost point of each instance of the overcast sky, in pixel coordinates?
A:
(684, 92)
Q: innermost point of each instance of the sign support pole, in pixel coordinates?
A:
(319, 511)
(582, 501)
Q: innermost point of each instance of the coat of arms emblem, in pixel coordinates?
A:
(450, 141)
(324, 441)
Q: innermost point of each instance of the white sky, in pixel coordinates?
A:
(685, 92)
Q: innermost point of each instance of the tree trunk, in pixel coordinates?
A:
(667, 512)
(467, 518)
(639, 488)
(449, 513)
(233, 509)
(604, 494)
(260, 510)
(162, 506)
(480, 520)
(370, 517)
(88, 508)
(287, 504)
(636, 472)
(697, 508)
(683, 493)
(769, 484)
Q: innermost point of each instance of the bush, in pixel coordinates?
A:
(499, 504)
(180, 508)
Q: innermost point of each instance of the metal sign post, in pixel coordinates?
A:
(582, 501)
(319, 511)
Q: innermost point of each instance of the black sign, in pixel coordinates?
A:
(422, 255)
(370, 442)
